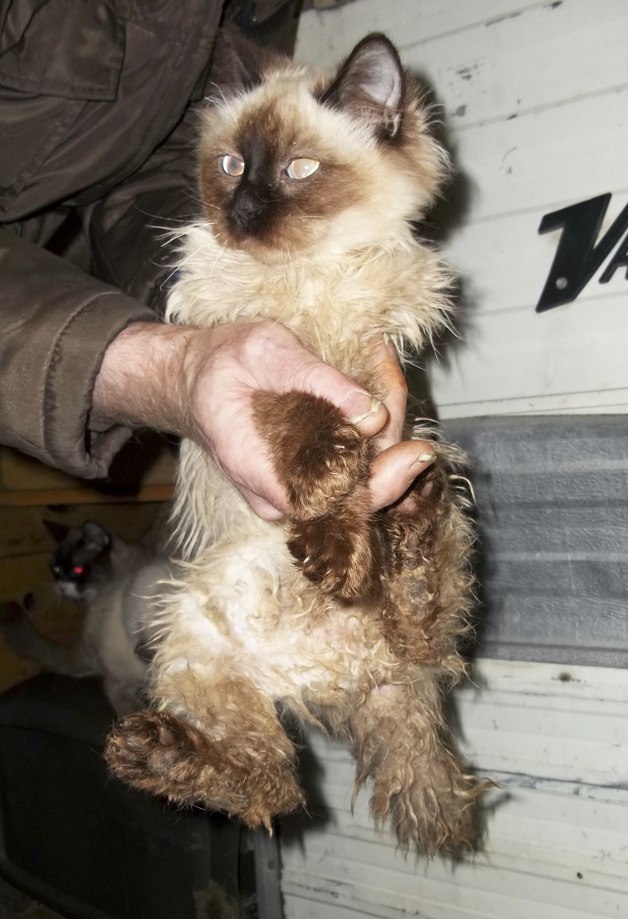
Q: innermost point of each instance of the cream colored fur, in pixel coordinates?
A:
(117, 618)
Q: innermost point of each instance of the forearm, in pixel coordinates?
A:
(55, 325)
(142, 379)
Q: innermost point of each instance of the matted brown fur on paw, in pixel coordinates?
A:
(161, 753)
(436, 819)
(317, 454)
(157, 752)
(341, 553)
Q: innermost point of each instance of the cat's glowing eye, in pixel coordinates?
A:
(78, 569)
(301, 168)
(231, 165)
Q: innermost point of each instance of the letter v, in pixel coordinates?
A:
(577, 256)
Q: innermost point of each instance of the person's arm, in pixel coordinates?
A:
(199, 382)
(56, 323)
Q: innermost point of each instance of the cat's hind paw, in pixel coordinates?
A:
(438, 816)
(158, 752)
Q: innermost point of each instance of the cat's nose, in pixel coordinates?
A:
(248, 213)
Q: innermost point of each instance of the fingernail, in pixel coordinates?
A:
(423, 458)
(390, 346)
(374, 406)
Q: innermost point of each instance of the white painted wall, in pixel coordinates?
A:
(536, 98)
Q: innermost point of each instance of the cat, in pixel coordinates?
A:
(82, 558)
(115, 582)
(348, 619)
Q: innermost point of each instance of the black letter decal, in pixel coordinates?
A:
(619, 260)
(577, 256)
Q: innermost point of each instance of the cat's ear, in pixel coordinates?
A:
(371, 85)
(239, 64)
(58, 531)
(97, 537)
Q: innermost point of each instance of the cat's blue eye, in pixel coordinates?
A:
(231, 165)
(302, 167)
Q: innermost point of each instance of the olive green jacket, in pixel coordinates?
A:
(97, 105)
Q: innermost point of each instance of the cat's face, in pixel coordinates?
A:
(299, 164)
(80, 558)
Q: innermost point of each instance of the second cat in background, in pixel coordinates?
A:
(116, 584)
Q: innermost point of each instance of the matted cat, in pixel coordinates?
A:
(350, 619)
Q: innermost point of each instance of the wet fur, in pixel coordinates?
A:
(347, 619)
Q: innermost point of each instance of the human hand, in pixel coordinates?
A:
(267, 357)
(398, 462)
(199, 383)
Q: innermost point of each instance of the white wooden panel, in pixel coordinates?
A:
(519, 63)
(538, 94)
(519, 361)
(326, 37)
(556, 740)
(563, 154)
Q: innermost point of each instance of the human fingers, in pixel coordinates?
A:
(263, 508)
(392, 473)
(391, 382)
(394, 470)
(239, 363)
(278, 362)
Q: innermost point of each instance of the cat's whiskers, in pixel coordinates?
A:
(218, 89)
(215, 262)
(196, 200)
(178, 267)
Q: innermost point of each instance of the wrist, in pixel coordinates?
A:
(141, 381)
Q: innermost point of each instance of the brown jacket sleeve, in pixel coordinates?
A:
(55, 325)
(95, 119)
(88, 93)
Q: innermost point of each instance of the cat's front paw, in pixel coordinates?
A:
(341, 553)
(317, 454)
